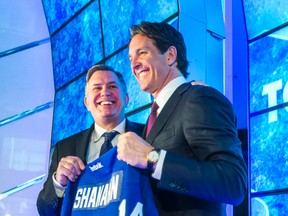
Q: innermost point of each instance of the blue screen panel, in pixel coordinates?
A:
(268, 71)
(269, 151)
(70, 113)
(140, 117)
(120, 15)
(175, 23)
(275, 205)
(77, 46)
(264, 15)
(60, 11)
(121, 63)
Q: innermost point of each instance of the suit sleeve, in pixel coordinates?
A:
(214, 168)
(48, 203)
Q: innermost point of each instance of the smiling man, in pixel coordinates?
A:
(192, 150)
(106, 98)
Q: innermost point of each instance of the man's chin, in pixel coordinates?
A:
(145, 88)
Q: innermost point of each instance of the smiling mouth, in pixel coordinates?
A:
(103, 103)
(142, 73)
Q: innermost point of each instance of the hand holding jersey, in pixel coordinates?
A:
(69, 168)
(133, 149)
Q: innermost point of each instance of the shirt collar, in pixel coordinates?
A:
(99, 131)
(167, 91)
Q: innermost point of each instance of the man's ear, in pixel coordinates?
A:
(127, 99)
(86, 102)
(171, 55)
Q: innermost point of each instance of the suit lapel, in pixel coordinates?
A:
(131, 126)
(84, 139)
(166, 112)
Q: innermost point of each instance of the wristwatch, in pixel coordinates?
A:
(152, 158)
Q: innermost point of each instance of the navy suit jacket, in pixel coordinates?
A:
(76, 145)
(204, 167)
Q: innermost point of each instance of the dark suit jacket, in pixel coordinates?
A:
(204, 166)
(48, 203)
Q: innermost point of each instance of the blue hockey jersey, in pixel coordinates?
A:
(109, 187)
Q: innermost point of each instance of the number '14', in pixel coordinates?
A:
(137, 211)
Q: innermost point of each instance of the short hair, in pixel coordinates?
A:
(163, 36)
(101, 67)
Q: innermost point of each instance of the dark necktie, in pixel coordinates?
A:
(107, 145)
(152, 117)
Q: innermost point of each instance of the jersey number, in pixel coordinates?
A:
(136, 212)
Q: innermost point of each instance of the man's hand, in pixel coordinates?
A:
(69, 167)
(133, 150)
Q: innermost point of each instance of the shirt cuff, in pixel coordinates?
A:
(59, 189)
(158, 170)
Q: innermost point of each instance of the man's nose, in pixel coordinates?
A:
(135, 64)
(105, 91)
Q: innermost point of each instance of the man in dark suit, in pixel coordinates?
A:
(192, 150)
(106, 98)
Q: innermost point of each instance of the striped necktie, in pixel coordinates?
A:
(107, 145)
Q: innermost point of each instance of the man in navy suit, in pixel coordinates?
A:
(192, 150)
(106, 98)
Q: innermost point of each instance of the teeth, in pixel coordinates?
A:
(106, 103)
(143, 73)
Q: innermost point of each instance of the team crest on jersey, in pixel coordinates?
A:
(96, 166)
(100, 195)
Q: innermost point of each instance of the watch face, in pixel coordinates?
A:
(153, 156)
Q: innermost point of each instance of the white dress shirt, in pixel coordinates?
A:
(161, 100)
